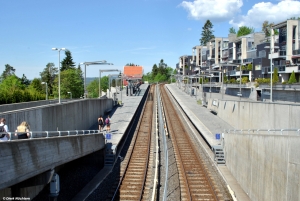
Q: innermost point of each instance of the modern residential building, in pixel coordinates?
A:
(185, 65)
(252, 52)
(286, 56)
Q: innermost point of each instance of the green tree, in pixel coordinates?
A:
(93, 89)
(232, 30)
(249, 67)
(154, 71)
(37, 85)
(8, 71)
(244, 30)
(162, 67)
(275, 78)
(207, 33)
(67, 62)
(292, 78)
(266, 28)
(25, 81)
(71, 81)
(104, 83)
(48, 75)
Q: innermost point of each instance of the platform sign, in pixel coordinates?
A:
(218, 136)
(108, 136)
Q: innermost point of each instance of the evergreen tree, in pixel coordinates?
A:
(25, 81)
(48, 75)
(232, 30)
(9, 70)
(207, 33)
(154, 71)
(292, 78)
(275, 76)
(67, 62)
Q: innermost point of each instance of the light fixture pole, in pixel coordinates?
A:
(103, 62)
(46, 89)
(59, 49)
(104, 70)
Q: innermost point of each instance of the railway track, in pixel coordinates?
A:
(134, 169)
(196, 183)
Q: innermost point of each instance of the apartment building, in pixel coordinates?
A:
(185, 65)
(227, 54)
(286, 53)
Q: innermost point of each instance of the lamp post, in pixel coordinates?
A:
(46, 89)
(104, 70)
(103, 62)
(110, 78)
(59, 49)
(70, 93)
(271, 62)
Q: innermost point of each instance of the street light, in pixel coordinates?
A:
(59, 49)
(271, 62)
(104, 70)
(46, 89)
(110, 78)
(70, 93)
(92, 63)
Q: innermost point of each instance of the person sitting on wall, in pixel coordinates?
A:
(23, 131)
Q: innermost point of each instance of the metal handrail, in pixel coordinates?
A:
(265, 131)
(49, 134)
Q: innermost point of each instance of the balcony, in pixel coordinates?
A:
(225, 55)
(280, 68)
(237, 61)
(282, 53)
(232, 72)
(249, 60)
(295, 52)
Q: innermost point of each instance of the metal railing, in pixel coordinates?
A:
(265, 131)
(49, 134)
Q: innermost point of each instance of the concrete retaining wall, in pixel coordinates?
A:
(18, 106)
(256, 115)
(266, 166)
(81, 114)
(24, 159)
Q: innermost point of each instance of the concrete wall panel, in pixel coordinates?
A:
(23, 160)
(71, 115)
(266, 166)
(256, 115)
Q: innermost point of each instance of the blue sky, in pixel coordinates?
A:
(121, 31)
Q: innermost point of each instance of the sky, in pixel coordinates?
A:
(121, 31)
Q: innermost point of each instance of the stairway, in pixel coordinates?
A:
(219, 155)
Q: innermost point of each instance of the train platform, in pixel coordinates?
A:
(209, 125)
(120, 119)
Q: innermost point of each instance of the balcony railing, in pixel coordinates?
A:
(282, 53)
(249, 60)
(232, 72)
(295, 52)
(237, 61)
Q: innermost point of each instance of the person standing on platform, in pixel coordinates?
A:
(107, 122)
(23, 131)
(4, 129)
(101, 123)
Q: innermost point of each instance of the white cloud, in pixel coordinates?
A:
(262, 11)
(214, 10)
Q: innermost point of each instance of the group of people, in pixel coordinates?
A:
(22, 131)
(101, 123)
